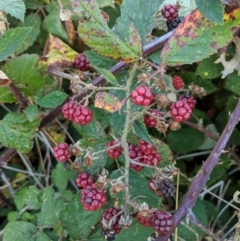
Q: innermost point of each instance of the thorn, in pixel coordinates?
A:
(193, 195)
(223, 151)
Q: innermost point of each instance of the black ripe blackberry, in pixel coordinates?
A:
(108, 234)
(168, 188)
(173, 24)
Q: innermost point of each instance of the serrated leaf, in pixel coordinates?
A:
(27, 73)
(108, 102)
(216, 12)
(99, 60)
(48, 215)
(16, 8)
(208, 69)
(117, 121)
(31, 112)
(94, 31)
(17, 132)
(76, 220)
(34, 21)
(189, 232)
(27, 196)
(232, 83)
(108, 76)
(198, 37)
(53, 99)
(180, 142)
(139, 12)
(19, 231)
(141, 131)
(60, 54)
(53, 25)
(12, 40)
(60, 177)
(209, 143)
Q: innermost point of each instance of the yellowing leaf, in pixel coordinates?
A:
(107, 102)
(60, 54)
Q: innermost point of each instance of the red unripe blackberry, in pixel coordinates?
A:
(61, 152)
(92, 199)
(149, 120)
(162, 222)
(144, 220)
(180, 111)
(189, 99)
(142, 95)
(137, 155)
(109, 214)
(84, 179)
(178, 82)
(145, 147)
(170, 12)
(152, 158)
(82, 115)
(115, 152)
(81, 62)
(69, 109)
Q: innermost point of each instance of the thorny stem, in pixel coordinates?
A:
(22, 101)
(125, 133)
(199, 181)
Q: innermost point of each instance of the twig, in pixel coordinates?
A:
(8, 154)
(203, 175)
(18, 95)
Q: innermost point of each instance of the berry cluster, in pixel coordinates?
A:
(143, 153)
(178, 82)
(81, 62)
(142, 95)
(84, 179)
(79, 114)
(114, 153)
(61, 152)
(149, 120)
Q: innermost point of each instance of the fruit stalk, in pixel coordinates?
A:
(199, 181)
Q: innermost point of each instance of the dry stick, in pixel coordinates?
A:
(148, 49)
(202, 177)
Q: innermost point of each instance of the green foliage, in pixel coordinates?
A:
(16, 131)
(141, 131)
(14, 7)
(98, 36)
(108, 76)
(217, 9)
(181, 142)
(12, 40)
(31, 112)
(232, 83)
(53, 99)
(141, 13)
(198, 42)
(78, 226)
(27, 73)
(33, 21)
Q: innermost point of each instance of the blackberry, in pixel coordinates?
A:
(170, 12)
(173, 24)
(108, 234)
(168, 188)
(82, 63)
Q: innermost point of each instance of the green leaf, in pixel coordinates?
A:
(207, 69)
(199, 38)
(12, 40)
(31, 112)
(141, 131)
(60, 177)
(34, 21)
(99, 60)
(135, 232)
(27, 73)
(105, 3)
(53, 99)
(216, 12)
(16, 8)
(27, 196)
(16, 131)
(48, 214)
(108, 76)
(53, 24)
(19, 231)
(139, 12)
(189, 232)
(76, 220)
(94, 31)
(180, 141)
(209, 143)
(232, 83)
(117, 121)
